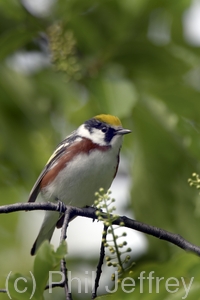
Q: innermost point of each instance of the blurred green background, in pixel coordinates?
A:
(130, 58)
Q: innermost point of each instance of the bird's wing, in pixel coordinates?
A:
(36, 188)
(61, 148)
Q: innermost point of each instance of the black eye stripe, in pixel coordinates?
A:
(109, 131)
(109, 134)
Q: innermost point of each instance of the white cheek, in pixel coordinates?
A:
(97, 136)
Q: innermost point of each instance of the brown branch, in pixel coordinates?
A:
(63, 267)
(89, 212)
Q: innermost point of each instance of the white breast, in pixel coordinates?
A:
(83, 176)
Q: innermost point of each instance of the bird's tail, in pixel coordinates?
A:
(46, 230)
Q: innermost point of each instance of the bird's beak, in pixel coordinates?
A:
(123, 131)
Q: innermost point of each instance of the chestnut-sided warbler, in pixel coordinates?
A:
(82, 163)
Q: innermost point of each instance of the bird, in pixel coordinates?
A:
(82, 163)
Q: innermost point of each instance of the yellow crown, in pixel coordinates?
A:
(109, 119)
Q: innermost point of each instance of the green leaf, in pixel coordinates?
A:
(13, 40)
(32, 286)
(47, 261)
(21, 287)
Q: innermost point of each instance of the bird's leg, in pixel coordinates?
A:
(61, 206)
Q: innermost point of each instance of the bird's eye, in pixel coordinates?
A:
(104, 129)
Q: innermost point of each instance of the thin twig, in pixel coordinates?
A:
(162, 234)
(65, 224)
(63, 267)
(53, 285)
(100, 263)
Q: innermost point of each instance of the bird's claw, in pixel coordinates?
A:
(61, 206)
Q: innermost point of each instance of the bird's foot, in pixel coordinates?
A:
(61, 206)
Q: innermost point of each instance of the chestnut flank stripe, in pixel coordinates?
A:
(83, 146)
